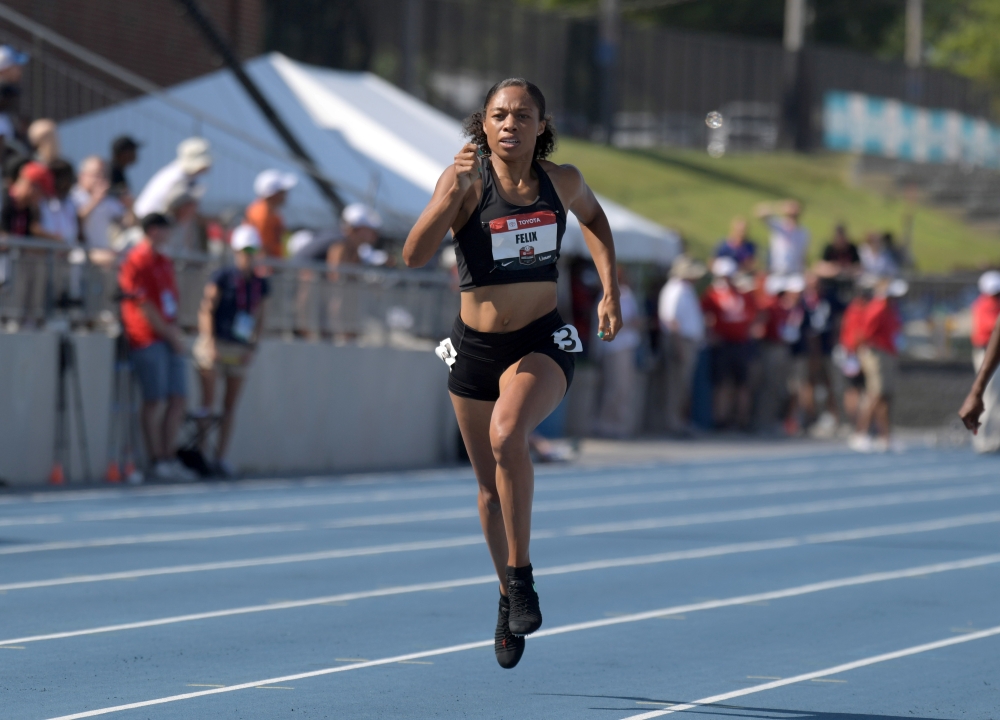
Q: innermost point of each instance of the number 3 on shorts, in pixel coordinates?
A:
(567, 339)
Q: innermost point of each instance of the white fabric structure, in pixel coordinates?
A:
(378, 145)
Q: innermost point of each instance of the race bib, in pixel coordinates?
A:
(522, 241)
(446, 351)
(243, 325)
(567, 339)
(169, 304)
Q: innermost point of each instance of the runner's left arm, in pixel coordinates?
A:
(597, 234)
(972, 408)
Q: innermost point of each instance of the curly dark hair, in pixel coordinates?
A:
(545, 143)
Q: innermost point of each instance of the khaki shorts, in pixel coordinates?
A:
(231, 359)
(880, 369)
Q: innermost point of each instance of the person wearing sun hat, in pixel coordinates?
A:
(271, 188)
(182, 175)
(683, 325)
(229, 325)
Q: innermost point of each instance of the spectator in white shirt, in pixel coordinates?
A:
(877, 257)
(683, 326)
(181, 176)
(101, 214)
(618, 370)
(59, 213)
(789, 241)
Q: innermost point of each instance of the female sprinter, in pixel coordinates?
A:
(509, 353)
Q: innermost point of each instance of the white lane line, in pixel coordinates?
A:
(251, 562)
(672, 556)
(590, 625)
(817, 674)
(465, 489)
(772, 511)
(153, 538)
(730, 491)
(758, 513)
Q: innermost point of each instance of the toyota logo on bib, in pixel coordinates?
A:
(512, 223)
(527, 255)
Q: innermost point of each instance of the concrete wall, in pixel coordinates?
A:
(306, 407)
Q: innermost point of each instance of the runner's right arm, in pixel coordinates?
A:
(972, 408)
(450, 207)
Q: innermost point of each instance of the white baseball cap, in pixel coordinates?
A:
(989, 283)
(272, 182)
(194, 155)
(898, 288)
(245, 237)
(360, 215)
(9, 57)
(724, 267)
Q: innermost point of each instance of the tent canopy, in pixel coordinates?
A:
(377, 144)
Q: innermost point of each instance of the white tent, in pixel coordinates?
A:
(375, 142)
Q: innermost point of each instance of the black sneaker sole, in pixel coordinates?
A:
(508, 647)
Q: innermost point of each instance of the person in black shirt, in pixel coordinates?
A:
(841, 254)
(229, 323)
(124, 153)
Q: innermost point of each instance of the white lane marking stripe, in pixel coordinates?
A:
(153, 538)
(578, 627)
(645, 524)
(808, 508)
(835, 670)
(465, 488)
(672, 556)
(251, 562)
(731, 491)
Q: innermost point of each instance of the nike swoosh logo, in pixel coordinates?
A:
(506, 263)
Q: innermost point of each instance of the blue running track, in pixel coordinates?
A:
(827, 586)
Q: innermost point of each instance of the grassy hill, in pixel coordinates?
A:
(689, 191)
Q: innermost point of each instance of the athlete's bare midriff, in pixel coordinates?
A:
(505, 308)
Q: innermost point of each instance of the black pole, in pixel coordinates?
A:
(220, 46)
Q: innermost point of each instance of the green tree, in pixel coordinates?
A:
(970, 47)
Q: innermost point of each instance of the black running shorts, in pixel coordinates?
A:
(476, 360)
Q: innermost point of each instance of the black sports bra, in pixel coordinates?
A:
(504, 243)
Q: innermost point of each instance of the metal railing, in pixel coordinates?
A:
(43, 281)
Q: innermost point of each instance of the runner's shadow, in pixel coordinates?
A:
(647, 704)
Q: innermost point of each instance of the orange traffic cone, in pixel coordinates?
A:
(56, 477)
(113, 475)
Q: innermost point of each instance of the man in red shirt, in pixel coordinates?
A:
(157, 350)
(730, 317)
(985, 311)
(878, 331)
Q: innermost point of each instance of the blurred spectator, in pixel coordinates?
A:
(730, 316)
(149, 316)
(182, 175)
(102, 214)
(789, 241)
(43, 136)
(59, 212)
(618, 368)
(229, 324)
(310, 246)
(851, 327)
(816, 376)
(738, 246)
(877, 257)
(985, 311)
(840, 256)
(783, 316)
(21, 214)
(124, 153)
(182, 210)
(12, 65)
(360, 225)
(683, 325)
(878, 354)
(264, 213)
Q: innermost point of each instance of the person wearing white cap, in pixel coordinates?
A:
(360, 225)
(181, 175)
(986, 400)
(731, 317)
(878, 353)
(271, 188)
(229, 325)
